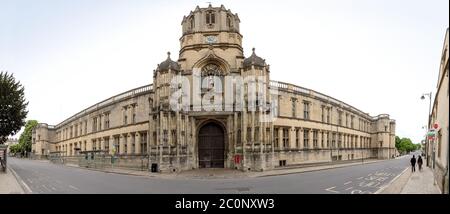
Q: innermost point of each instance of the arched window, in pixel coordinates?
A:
(192, 23)
(210, 73)
(229, 22)
(210, 17)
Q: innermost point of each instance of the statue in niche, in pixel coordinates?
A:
(209, 72)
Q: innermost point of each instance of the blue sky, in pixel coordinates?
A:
(377, 55)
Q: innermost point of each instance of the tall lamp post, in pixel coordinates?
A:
(429, 95)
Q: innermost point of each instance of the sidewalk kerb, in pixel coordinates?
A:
(25, 188)
(314, 170)
(106, 171)
(392, 181)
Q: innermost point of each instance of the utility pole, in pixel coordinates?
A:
(429, 95)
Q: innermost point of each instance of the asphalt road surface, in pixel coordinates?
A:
(42, 177)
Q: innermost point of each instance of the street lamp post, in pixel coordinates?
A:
(429, 95)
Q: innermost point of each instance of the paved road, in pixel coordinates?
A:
(43, 177)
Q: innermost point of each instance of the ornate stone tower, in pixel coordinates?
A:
(211, 35)
(229, 134)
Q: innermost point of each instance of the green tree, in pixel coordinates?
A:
(397, 142)
(15, 149)
(25, 137)
(405, 145)
(12, 106)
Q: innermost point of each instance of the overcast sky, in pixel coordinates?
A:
(377, 55)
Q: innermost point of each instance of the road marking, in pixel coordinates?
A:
(329, 190)
(390, 182)
(46, 188)
(347, 182)
(29, 180)
(73, 187)
(356, 191)
(360, 178)
(349, 188)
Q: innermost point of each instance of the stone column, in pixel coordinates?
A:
(129, 143)
(90, 145)
(121, 144)
(235, 125)
(271, 139)
(353, 142)
(310, 140)
(244, 129)
(344, 141)
(169, 130)
(101, 142)
(194, 143)
(292, 138)
(137, 143)
(349, 142)
(358, 142)
(300, 138)
(111, 144)
(262, 132)
(319, 139)
(252, 137)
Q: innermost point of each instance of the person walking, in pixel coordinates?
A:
(413, 163)
(420, 162)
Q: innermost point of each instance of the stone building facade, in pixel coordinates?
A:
(439, 116)
(184, 120)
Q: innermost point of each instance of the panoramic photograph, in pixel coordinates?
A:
(224, 97)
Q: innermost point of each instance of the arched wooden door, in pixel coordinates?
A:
(211, 146)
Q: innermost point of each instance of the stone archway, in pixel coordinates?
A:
(211, 146)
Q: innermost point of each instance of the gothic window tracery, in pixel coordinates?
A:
(210, 71)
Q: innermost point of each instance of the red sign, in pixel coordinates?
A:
(237, 159)
(436, 126)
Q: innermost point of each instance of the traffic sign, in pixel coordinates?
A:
(436, 126)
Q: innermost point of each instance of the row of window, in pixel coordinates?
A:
(326, 115)
(210, 18)
(99, 123)
(333, 139)
(96, 144)
(327, 139)
(173, 135)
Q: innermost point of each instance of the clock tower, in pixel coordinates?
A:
(211, 34)
(216, 128)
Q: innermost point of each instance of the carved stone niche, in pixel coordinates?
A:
(212, 69)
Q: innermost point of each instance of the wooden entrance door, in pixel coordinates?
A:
(211, 146)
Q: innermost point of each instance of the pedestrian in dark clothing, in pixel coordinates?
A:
(413, 163)
(420, 162)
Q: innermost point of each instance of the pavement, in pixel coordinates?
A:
(408, 182)
(231, 173)
(349, 178)
(9, 184)
(421, 182)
